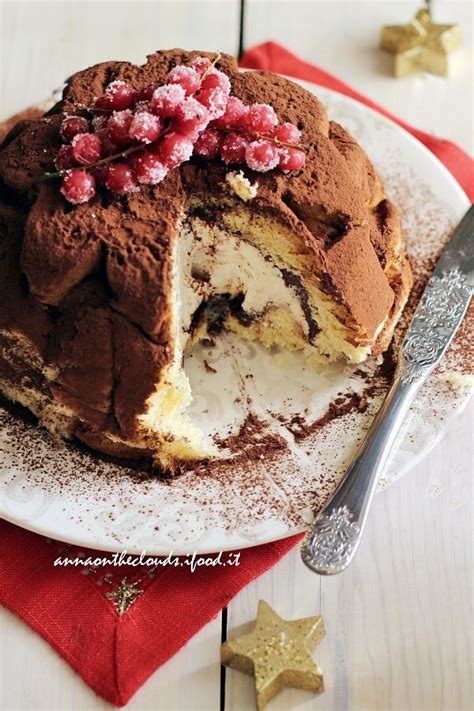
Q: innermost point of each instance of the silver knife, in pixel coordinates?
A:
(335, 535)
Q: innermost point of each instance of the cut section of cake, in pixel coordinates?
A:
(101, 295)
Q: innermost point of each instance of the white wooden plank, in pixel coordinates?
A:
(45, 42)
(398, 621)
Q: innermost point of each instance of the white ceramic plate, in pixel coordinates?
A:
(71, 496)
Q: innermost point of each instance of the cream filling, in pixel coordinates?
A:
(212, 261)
(208, 262)
(215, 262)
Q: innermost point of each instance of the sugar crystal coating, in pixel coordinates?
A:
(175, 149)
(78, 186)
(166, 99)
(208, 143)
(217, 80)
(262, 156)
(121, 178)
(215, 100)
(233, 148)
(145, 127)
(186, 77)
(291, 159)
(150, 169)
(118, 126)
(287, 132)
(260, 118)
(86, 148)
(72, 125)
(64, 158)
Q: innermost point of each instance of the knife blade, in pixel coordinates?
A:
(442, 306)
(331, 543)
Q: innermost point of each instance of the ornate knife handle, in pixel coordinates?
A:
(336, 533)
(337, 530)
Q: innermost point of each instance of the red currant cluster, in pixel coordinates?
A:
(136, 137)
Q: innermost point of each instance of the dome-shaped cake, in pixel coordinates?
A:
(99, 300)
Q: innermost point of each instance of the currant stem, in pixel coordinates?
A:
(262, 136)
(211, 66)
(103, 161)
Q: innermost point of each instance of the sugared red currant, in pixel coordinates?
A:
(291, 159)
(208, 143)
(175, 148)
(262, 156)
(86, 148)
(143, 94)
(150, 170)
(102, 103)
(215, 100)
(100, 173)
(166, 99)
(145, 127)
(287, 132)
(233, 114)
(64, 159)
(99, 122)
(119, 95)
(108, 148)
(233, 148)
(121, 178)
(119, 126)
(200, 64)
(72, 125)
(78, 186)
(191, 116)
(187, 77)
(260, 118)
(216, 80)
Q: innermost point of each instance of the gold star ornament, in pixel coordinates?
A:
(125, 595)
(277, 653)
(421, 45)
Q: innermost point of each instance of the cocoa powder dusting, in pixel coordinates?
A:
(253, 441)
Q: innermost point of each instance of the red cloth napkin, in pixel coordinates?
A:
(115, 654)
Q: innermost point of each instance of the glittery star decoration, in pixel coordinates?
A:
(421, 45)
(124, 596)
(277, 653)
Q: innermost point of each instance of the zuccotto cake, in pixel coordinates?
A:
(110, 270)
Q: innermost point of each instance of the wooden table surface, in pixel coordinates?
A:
(399, 620)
